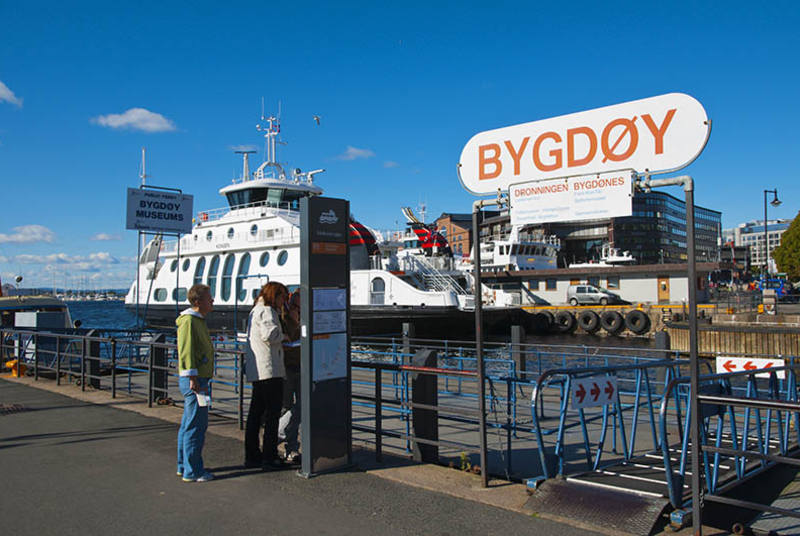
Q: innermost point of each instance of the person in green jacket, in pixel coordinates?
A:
(195, 369)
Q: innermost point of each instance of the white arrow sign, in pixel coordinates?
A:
(594, 391)
(740, 364)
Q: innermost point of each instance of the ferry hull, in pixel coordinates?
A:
(429, 322)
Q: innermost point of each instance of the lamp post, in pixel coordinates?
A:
(775, 202)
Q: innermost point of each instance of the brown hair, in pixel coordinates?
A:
(270, 292)
(196, 292)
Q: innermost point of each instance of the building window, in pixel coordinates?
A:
(613, 282)
(550, 284)
(594, 281)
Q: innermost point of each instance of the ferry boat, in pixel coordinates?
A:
(515, 252)
(237, 249)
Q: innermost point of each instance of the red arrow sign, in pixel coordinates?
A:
(580, 393)
(595, 391)
(749, 366)
(609, 389)
(729, 366)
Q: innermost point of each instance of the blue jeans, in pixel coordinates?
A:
(192, 432)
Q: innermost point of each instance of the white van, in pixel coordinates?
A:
(589, 294)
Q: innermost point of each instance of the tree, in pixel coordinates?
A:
(787, 255)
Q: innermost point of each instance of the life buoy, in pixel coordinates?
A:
(588, 321)
(637, 322)
(612, 322)
(204, 216)
(565, 322)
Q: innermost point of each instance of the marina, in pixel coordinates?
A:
(495, 281)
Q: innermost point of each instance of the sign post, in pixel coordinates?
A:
(325, 335)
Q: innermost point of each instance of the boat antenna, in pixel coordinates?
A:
(246, 163)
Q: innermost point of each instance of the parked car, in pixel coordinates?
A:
(589, 294)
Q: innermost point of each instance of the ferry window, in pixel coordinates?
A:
(255, 293)
(264, 259)
(514, 249)
(274, 197)
(254, 230)
(179, 294)
(244, 267)
(282, 257)
(594, 281)
(613, 282)
(377, 290)
(160, 294)
(198, 270)
(209, 235)
(212, 275)
(230, 232)
(550, 284)
(173, 266)
(533, 284)
(185, 265)
(227, 271)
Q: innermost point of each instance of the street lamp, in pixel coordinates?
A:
(775, 202)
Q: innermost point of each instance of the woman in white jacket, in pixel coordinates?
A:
(265, 369)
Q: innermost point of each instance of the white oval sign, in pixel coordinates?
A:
(659, 133)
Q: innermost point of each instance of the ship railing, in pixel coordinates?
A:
(433, 278)
(247, 209)
(278, 237)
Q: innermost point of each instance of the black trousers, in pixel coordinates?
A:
(265, 404)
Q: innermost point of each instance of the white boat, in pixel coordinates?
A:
(609, 257)
(256, 238)
(536, 252)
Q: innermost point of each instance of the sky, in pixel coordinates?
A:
(399, 88)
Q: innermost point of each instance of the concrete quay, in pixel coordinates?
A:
(78, 462)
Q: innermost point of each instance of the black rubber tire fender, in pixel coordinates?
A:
(550, 319)
(637, 322)
(588, 321)
(565, 322)
(612, 322)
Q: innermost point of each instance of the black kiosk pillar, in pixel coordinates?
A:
(325, 335)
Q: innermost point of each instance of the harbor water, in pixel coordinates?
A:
(113, 315)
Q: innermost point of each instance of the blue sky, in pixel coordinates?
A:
(400, 89)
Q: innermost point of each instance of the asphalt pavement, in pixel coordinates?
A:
(74, 467)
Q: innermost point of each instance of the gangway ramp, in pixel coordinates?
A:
(749, 425)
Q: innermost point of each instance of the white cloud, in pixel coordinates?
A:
(105, 237)
(136, 119)
(26, 234)
(390, 164)
(79, 261)
(7, 95)
(244, 148)
(354, 153)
